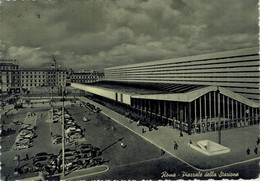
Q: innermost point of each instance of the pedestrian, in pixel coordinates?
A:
(190, 142)
(27, 156)
(256, 150)
(248, 151)
(181, 135)
(84, 129)
(112, 128)
(162, 152)
(41, 114)
(15, 158)
(143, 131)
(175, 145)
(51, 133)
(122, 145)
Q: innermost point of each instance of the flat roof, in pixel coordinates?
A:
(137, 88)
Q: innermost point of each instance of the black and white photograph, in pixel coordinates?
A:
(127, 90)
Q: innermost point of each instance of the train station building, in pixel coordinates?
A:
(193, 94)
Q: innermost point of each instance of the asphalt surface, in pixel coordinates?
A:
(139, 159)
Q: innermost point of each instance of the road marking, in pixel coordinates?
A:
(198, 169)
(107, 168)
(144, 161)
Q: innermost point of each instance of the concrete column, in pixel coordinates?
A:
(218, 104)
(159, 107)
(224, 108)
(164, 109)
(236, 111)
(245, 114)
(205, 106)
(241, 111)
(210, 94)
(185, 113)
(215, 105)
(200, 113)
(195, 112)
(232, 111)
(200, 110)
(141, 106)
(253, 115)
(219, 109)
(257, 113)
(249, 115)
(228, 112)
(189, 121)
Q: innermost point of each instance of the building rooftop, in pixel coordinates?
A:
(146, 88)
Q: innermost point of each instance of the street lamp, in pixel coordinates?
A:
(63, 138)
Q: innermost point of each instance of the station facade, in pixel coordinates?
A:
(193, 94)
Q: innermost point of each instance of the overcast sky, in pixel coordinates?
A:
(96, 34)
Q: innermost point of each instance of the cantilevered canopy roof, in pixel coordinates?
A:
(146, 88)
(157, 91)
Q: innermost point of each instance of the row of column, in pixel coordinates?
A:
(207, 113)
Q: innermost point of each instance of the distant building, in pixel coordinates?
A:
(8, 74)
(42, 77)
(86, 77)
(14, 79)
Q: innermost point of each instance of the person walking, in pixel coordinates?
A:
(248, 151)
(175, 145)
(27, 156)
(162, 152)
(122, 145)
(256, 150)
(143, 131)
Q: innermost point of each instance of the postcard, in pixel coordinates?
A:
(125, 90)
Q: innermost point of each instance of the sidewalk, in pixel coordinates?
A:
(85, 172)
(236, 139)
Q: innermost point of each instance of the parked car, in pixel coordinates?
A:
(16, 122)
(43, 154)
(22, 146)
(21, 140)
(75, 164)
(44, 160)
(85, 146)
(96, 161)
(87, 153)
(57, 139)
(28, 136)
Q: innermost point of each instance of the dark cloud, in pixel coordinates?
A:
(97, 34)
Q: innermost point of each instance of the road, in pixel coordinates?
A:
(140, 159)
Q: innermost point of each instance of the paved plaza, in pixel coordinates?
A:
(141, 157)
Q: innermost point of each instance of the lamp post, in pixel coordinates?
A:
(63, 136)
